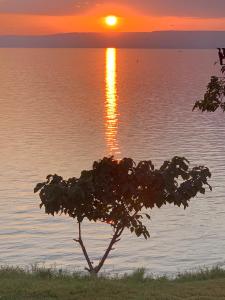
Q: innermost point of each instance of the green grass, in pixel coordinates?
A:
(45, 284)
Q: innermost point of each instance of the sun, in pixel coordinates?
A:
(111, 21)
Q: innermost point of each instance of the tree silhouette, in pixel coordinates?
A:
(214, 97)
(120, 194)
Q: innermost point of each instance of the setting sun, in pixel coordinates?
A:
(111, 21)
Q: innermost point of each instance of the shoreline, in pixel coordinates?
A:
(49, 284)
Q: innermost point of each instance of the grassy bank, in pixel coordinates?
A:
(16, 284)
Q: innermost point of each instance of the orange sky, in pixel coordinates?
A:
(92, 20)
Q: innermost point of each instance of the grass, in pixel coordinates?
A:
(47, 284)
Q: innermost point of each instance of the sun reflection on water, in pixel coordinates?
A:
(111, 120)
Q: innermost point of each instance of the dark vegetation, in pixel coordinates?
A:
(214, 97)
(121, 194)
(46, 284)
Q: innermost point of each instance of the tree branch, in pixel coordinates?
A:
(115, 239)
(80, 241)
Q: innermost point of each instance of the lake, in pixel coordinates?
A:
(61, 109)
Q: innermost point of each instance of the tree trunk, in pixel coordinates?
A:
(95, 270)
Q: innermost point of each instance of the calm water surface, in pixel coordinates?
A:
(63, 108)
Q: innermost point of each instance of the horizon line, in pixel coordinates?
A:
(108, 32)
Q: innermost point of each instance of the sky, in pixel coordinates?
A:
(37, 17)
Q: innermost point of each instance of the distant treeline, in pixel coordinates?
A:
(155, 40)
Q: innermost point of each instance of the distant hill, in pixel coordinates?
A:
(156, 39)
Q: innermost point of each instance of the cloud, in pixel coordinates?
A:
(44, 7)
(179, 8)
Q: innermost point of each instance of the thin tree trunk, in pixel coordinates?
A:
(95, 270)
(115, 239)
(80, 241)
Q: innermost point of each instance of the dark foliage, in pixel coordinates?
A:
(214, 97)
(115, 192)
(120, 193)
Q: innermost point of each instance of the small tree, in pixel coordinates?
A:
(120, 193)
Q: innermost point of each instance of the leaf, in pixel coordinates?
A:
(148, 216)
(39, 186)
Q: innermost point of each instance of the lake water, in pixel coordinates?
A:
(63, 108)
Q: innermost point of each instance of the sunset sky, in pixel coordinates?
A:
(53, 16)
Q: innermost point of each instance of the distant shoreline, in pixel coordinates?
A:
(133, 40)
